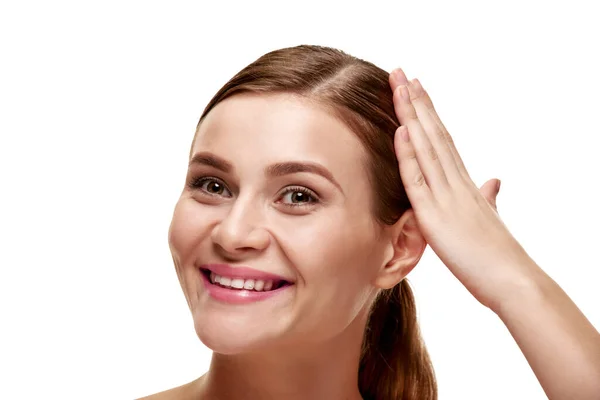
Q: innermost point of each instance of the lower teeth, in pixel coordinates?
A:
(242, 288)
(233, 288)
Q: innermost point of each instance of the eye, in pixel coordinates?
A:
(298, 196)
(211, 186)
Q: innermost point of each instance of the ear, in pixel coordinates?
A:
(406, 247)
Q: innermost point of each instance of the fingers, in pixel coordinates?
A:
(421, 166)
(490, 191)
(427, 105)
(412, 177)
(432, 126)
(397, 78)
(433, 131)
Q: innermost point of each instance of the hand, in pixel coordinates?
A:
(459, 222)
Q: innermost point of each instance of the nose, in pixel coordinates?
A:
(241, 231)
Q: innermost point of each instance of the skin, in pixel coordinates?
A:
(458, 221)
(463, 228)
(331, 247)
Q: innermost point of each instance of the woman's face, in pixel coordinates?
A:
(277, 185)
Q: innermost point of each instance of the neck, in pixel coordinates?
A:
(325, 370)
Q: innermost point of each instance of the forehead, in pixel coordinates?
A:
(259, 129)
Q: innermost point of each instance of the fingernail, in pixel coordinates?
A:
(498, 185)
(403, 92)
(404, 134)
(400, 76)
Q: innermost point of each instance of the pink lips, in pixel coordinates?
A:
(240, 296)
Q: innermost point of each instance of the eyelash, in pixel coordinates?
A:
(197, 183)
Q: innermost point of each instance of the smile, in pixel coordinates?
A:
(257, 285)
(238, 290)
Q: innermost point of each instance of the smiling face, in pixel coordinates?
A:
(279, 185)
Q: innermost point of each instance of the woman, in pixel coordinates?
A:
(315, 182)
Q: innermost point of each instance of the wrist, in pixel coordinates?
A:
(526, 288)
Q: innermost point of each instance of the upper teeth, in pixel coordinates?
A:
(239, 283)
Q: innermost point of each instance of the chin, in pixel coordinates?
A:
(226, 335)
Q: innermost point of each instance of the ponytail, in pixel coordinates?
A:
(395, 364)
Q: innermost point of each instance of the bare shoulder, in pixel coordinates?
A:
(183, 392)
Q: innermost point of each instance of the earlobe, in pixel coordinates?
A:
(408, 245)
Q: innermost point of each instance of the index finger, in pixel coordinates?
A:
(397, 78)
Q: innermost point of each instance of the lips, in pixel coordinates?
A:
(244, 273)
(242, 285)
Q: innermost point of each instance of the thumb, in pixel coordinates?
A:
(490, 190)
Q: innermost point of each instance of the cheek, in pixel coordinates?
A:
(188, 228)
(336, 271)
(324, 248)
(335, 260)
(179, 231)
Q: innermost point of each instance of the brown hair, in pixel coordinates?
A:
(394, 362)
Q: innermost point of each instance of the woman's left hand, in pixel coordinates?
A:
(459, 221)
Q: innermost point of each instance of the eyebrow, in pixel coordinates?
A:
(205, 158)
(272, 171)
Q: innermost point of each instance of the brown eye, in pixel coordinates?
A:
(210, 186)
(298, 196)
(214, 187)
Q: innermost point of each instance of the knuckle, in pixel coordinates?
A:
(419, 180)
(433, 155)
(441, 134)
(414, 97)
(412, 155)
(449, 140)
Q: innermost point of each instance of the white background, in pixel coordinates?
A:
(98, 105)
